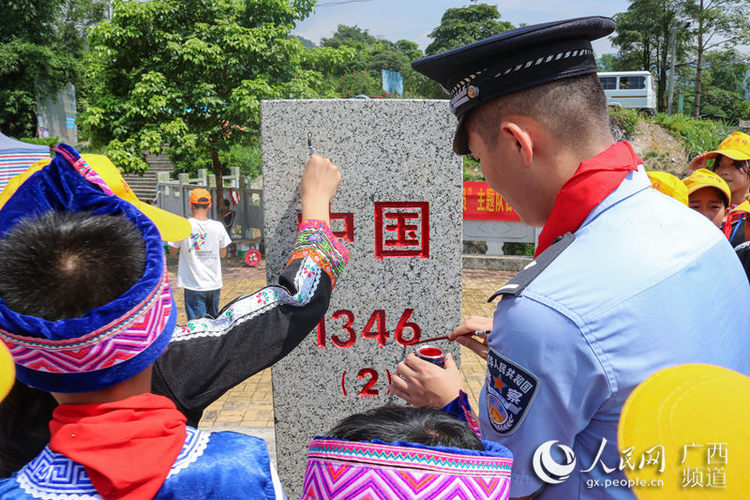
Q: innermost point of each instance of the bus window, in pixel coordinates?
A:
(608, 82)
(632, 82)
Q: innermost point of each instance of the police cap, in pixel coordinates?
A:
(512, 61)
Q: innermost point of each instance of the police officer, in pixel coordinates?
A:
(626, 281)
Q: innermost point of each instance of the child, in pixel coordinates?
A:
(732, 163)
(206, 358)
(86, 309)
(405, 452)
(708, 194)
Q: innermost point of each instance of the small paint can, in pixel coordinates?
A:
(432, 354)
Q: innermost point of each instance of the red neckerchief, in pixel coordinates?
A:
(730, 222)
(593, 181)
(127, 447)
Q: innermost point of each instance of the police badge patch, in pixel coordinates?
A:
(510, 391)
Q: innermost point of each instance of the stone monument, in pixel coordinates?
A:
(399, 209)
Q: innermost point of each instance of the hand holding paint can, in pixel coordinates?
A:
(432, 354)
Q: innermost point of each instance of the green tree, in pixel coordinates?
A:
(352, 36)
(715, 24)
(643, 37)
(42, 43)
(464, 25)
(722, 84)
(187, 77)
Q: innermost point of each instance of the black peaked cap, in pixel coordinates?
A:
(512, 61)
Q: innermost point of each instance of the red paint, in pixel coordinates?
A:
(377, 319)
(406, 242)
(430, 351)
(322, 334)
(375, 329)
(367, 390)
(346, 217)
(404, 323)
(388, 374)
(343, 387)
(347, 327)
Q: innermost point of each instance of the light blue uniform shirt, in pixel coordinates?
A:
(647, 283)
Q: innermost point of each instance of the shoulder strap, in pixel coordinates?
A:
(534, 268)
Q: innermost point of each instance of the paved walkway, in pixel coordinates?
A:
(249, 406)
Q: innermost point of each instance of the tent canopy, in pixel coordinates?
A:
(17, 156)
(12, 146)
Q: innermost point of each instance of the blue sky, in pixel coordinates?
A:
(415, 19)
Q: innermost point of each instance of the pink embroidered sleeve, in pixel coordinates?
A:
(317, 241)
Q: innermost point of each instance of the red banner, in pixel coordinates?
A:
(481, 202)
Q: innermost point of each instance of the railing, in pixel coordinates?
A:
(174, 196)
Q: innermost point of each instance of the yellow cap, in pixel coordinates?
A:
(702, 405)
(669, 185)
(736, 147)
(742, 207)
(7, 371)
(172, 226)
(705, 178)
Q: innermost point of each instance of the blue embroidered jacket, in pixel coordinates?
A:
(220, 465)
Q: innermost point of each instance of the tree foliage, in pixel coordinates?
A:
(187, 76)
(464, 25)
(42, 43)
(716, 24)
(643, 36)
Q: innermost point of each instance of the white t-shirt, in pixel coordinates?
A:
(199, 267)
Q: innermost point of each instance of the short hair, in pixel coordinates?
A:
(199, 205)
(574, 109)
(391, 423)
(63, 264)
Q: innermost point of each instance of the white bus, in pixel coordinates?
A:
(629, 89)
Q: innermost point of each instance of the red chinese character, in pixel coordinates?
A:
(402, 219)
(347, 218)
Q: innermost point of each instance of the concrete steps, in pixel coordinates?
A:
(144, 186)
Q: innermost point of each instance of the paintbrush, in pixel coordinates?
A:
(444, 337)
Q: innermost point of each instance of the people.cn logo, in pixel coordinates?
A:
(547, 469)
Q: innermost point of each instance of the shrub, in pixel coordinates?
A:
(361, 83)
(699, 135)
(44, 141)
(472, 170)
(624, 118)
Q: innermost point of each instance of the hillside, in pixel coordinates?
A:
(659, 149)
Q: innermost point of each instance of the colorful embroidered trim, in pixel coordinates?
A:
(108, 346)
(338, 470)
(53, 476)
(316, 240)
(402, 456)
(306, 280)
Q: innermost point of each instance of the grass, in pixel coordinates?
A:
(699, 135)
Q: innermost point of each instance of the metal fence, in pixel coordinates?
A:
(174, 196)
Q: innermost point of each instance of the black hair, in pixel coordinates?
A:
(391, 423)
(199, 205)
(573, 108)
(63, 264)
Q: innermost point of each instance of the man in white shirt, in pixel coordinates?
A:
(199, 268)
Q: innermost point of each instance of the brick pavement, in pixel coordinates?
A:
(249, 406)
